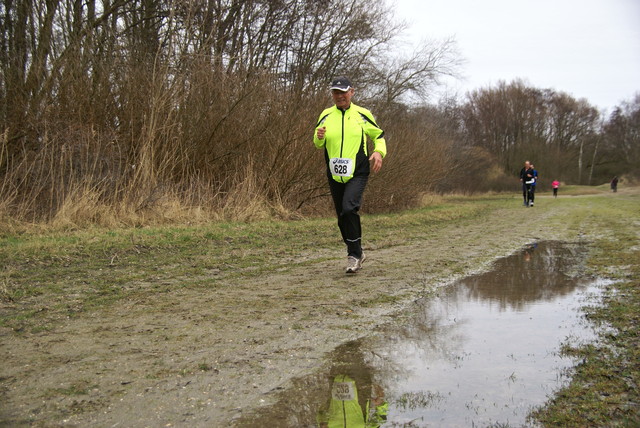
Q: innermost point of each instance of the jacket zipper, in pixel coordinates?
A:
(342, 140)
(344, 410)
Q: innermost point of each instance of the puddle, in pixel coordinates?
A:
(481, 352)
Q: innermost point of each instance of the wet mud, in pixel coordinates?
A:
(263, 349)
(483, 351)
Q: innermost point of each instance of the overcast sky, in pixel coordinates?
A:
(587, 48)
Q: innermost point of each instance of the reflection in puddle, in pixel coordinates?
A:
(482, 351)
(485, 350)
(353, 405)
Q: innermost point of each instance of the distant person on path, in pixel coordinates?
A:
(614, 184)
(342, 131)
(527, 179)
(533, 185)
(523, 179)
(555, 184)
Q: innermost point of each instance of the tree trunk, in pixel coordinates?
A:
(593, 161)
(580, 162)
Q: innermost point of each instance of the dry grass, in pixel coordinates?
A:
(225, 165)
(431, 199)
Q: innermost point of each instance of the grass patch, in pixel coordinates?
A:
(47, 276)
(575, 190)
(382, 299)
(76, 389)
(204, 367)
(604, 390)
(419, 399)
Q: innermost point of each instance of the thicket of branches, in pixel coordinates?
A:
(137, 110)
(133, 108)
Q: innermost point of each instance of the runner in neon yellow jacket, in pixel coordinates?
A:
(345, 140)
(342, 130)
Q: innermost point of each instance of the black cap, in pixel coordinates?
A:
(342, 84)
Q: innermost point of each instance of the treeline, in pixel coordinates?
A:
(130, 111)
(568, 139)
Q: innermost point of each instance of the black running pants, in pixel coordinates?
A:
(347, 198)
(529, 196)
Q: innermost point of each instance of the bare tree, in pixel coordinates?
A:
(133, 101)
(621, 139)
(516, 122)
(394, 79)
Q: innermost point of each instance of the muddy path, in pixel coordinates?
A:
(207, 357)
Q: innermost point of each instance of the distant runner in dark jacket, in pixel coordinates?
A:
(527, 178)
(533, 185)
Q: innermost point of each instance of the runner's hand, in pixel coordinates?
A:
(377, 161)
(321, 132)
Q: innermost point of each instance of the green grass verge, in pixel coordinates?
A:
(48, 276)
(56, 275)
(604, 390)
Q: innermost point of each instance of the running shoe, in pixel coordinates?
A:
(354, 264)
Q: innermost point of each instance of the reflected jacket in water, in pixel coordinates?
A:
(345, 141)
(344, 408)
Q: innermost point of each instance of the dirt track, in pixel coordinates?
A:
(194, 358)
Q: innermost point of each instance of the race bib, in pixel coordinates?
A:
(341, 166)
(343, 391)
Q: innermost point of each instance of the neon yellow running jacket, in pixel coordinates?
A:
(345, 141)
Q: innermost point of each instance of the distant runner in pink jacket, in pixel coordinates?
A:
(555, 184)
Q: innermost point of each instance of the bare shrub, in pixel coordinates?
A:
(420, 158)
(136, 112)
